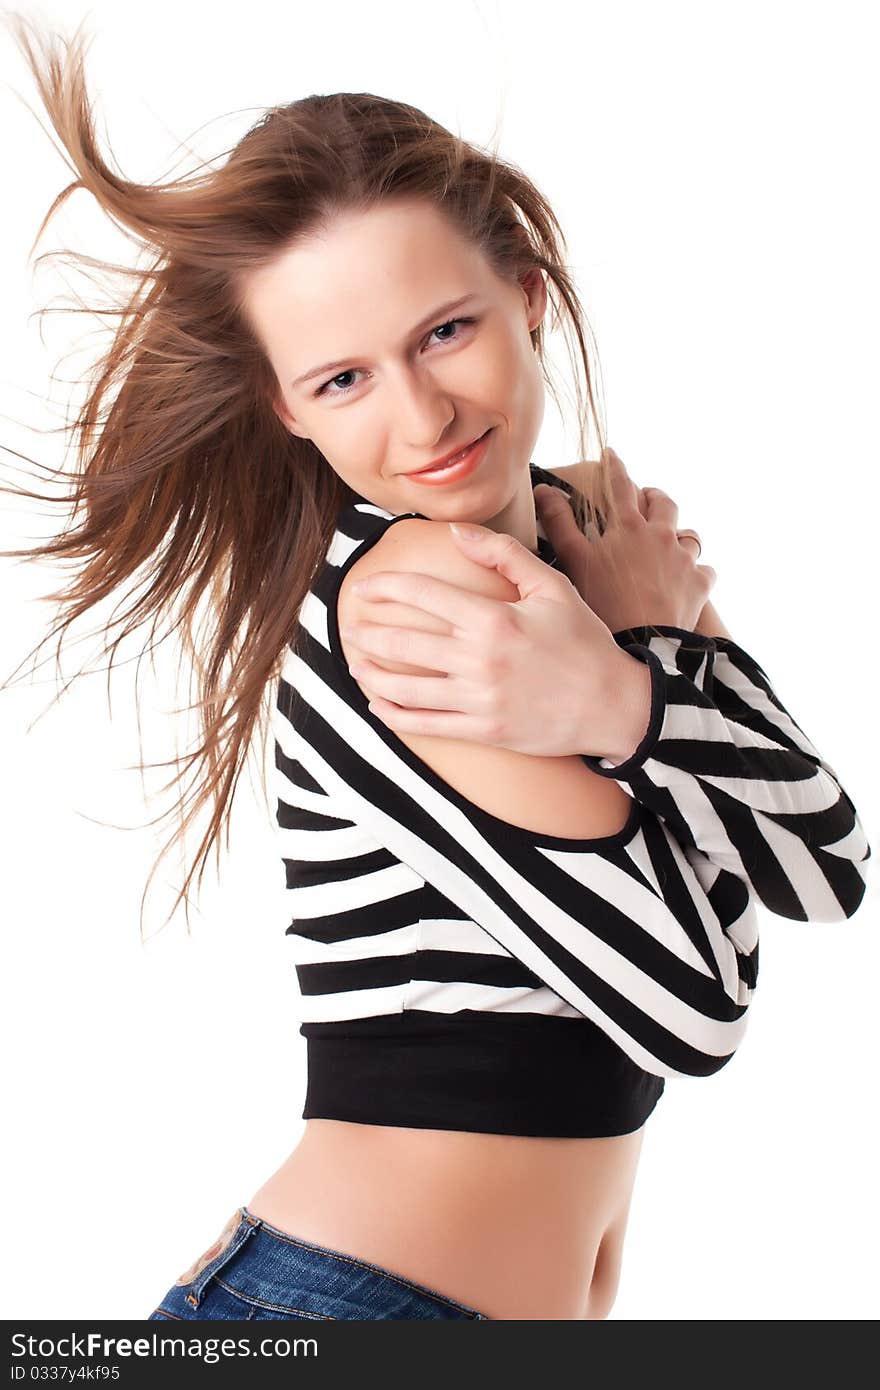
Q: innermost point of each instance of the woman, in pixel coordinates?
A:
(502, 952)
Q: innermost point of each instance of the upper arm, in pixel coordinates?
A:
(550, 795)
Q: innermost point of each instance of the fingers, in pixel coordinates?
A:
(558, 521)
(624, 493)
(460, 607)
(404, 647)
(417, 693)
(652, 503)
(552, 502)
(661, 507)
(691, 543)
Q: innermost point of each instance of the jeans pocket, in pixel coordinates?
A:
(237, 1230)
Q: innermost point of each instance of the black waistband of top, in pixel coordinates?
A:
(525, 1074)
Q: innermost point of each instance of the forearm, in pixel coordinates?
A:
(731, 774)
(630, 691)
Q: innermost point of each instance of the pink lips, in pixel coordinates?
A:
(452, 472)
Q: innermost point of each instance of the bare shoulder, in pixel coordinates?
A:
(550, 795)
(416, 546)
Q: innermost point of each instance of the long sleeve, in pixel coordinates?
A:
(728, 770)
(660, 953)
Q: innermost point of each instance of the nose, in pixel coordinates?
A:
(422, 408)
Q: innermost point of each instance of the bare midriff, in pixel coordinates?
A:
(512, 1226)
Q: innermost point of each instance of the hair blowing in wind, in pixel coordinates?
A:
(186, 493)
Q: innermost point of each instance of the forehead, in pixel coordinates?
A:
(400, 254)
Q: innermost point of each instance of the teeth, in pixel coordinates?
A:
(450, 462)
(443, 466)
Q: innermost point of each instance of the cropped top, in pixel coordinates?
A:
(459, 972)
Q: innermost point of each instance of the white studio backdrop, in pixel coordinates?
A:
(714, 171)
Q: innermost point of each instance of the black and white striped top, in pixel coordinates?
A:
(459, 972)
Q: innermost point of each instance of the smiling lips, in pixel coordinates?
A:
(458, 467)
(447, 458)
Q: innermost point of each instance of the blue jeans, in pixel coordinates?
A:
(254, 1271)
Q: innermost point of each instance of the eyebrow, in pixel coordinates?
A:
(423, 323)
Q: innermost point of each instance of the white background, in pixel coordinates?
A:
(714, 171)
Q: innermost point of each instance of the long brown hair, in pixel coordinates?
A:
(185, 479)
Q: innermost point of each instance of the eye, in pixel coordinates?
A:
(344, 390)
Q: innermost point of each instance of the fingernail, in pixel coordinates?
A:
(465, 530)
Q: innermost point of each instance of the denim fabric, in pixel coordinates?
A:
(253, 1270)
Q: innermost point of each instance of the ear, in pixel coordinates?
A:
(534, 287)
(289, 421)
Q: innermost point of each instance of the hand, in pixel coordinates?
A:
(541, 675)
(637, 571)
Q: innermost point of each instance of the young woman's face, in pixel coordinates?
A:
(408, 380)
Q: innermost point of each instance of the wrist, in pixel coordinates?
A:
(629, 706)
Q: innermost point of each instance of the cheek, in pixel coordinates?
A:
(526, 387)
(353, 439)
(500, 376)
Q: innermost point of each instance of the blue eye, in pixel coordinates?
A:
(344, 390)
